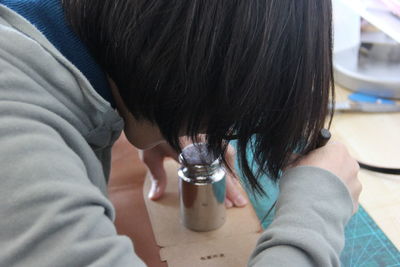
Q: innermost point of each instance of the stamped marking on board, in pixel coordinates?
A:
(214, 256)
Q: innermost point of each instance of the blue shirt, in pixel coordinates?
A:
(48, 17)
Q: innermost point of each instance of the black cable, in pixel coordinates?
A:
(379, 169)
(324, 137)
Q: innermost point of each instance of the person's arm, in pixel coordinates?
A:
(312, 210)
(51, 214)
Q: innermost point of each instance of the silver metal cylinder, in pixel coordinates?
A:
(202, 188)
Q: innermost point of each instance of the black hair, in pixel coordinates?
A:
(258, 69)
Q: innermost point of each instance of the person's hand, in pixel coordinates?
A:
(334, 157)
(154, 159)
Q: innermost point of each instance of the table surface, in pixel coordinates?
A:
(374, 139)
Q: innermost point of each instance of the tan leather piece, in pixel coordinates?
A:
(126, 193)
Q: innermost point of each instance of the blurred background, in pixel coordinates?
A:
(367, 46)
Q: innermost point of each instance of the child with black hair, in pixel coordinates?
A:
(256, 71)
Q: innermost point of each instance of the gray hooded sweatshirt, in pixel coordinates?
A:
(56, 134)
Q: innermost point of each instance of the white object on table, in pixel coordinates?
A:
(347, 25)
(376, 13)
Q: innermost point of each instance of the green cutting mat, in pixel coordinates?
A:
(366, 244)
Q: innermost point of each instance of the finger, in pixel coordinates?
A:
(355, 208)
(230, 156)
(228, 203)
(169, 152)
(358, 190)
(232, 185)
(158, 178)
(233, 193)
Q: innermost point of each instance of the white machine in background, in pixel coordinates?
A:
(367, 62)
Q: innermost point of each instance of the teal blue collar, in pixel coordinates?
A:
(48, 17)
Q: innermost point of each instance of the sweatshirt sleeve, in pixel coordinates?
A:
(50, 212)
(308, 230)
